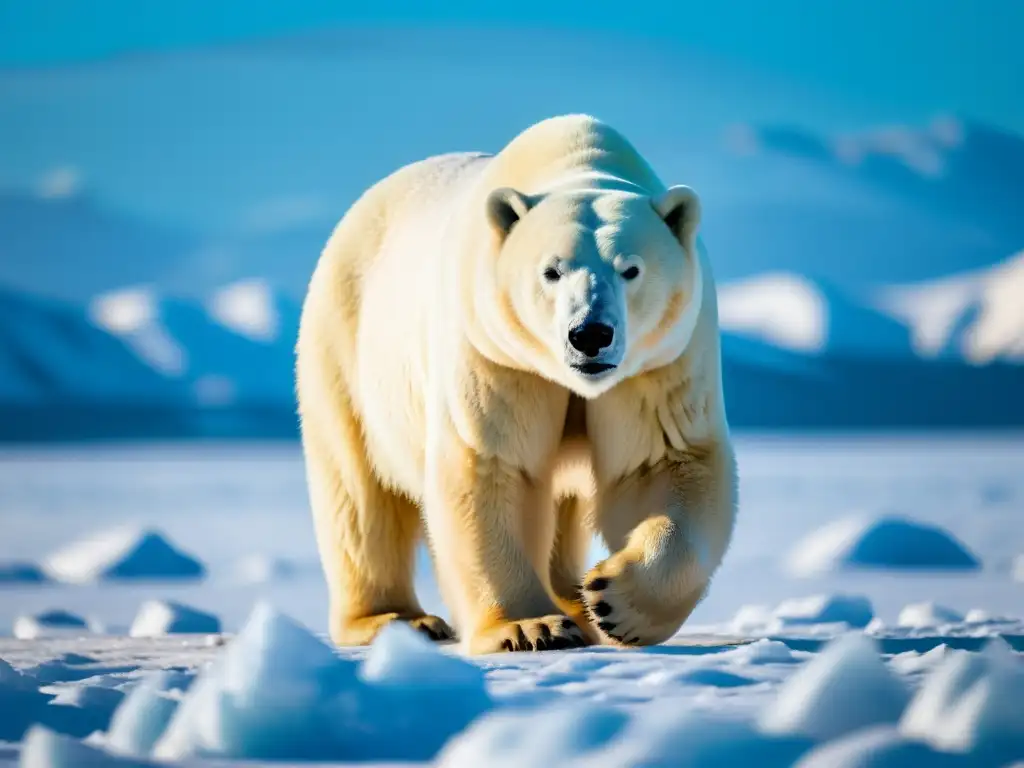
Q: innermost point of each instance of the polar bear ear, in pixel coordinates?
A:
(505, 207)
(679, 208)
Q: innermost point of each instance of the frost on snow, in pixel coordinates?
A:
(122, 554)
(887, 542)
(164, 617)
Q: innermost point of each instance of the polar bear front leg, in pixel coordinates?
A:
(491, 527)
(668, 527)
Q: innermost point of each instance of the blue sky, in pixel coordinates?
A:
(212, 137)
(965, 54)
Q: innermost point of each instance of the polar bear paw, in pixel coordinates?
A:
(547, 633)
(363, 631)
(621, 608)
(433, 627)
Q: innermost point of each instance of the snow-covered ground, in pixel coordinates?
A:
(871, 575)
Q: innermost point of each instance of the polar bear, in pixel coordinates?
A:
(510, 353)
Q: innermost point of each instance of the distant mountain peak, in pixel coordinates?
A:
(807, 316)
(979, 314)
(124, 311)
(133, 315)
(924, 150)
(781, 308)
(59, 183)
(248, 308)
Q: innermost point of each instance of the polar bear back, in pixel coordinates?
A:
(366, 321)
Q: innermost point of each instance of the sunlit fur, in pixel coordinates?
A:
(436, 397)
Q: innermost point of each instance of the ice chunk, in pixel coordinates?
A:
(425, 696)
(587, 734)
(846, 687)
(886, 542)
(143, 716)
(164, 617)
(13, 680)
(913, 662)
(401, 656)
(927, 615)
(79, 710)
(881, 746)
(939, 693)
(557, 735)
(762, 651)
(49, 624)
(971, 704)
(875, 627)
(274, 692)
(853, 610)
(753, 618)
(122, 554)
(981, 616)
(20, 702)
(44, 748)
(21, 573)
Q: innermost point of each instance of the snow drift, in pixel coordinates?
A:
(122, 554)
(886, 542)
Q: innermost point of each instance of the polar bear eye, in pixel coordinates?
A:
(631, 273)
(552, 274)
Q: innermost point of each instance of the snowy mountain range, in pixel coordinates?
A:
(796, 353)
(132, 364)
(977, 316)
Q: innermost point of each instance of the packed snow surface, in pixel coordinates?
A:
(861, 666)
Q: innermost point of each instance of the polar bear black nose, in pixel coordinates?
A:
(591, 338)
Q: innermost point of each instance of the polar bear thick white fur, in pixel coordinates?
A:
(510, 353)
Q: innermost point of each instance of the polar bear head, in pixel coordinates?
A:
(593, 286)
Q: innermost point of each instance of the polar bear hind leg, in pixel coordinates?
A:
(573, 539)
(367, 537)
